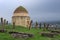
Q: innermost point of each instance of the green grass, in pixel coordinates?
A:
(36, 32)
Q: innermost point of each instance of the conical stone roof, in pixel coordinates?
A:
(20, 9)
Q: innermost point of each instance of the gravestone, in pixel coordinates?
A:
(13, 25)
(2, 24)
(40, 25)
(7, 22)
(4, 21)
(44, 27)
(36, 25)
(30, 24)
(46, 34)
(21, 35)
(55, 31)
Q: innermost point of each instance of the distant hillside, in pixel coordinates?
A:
(51, 22)
(54, 22)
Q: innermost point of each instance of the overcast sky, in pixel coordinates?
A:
(39, 10)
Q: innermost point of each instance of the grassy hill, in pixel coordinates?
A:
(36, 32)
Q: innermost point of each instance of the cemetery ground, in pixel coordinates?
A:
(34, 31)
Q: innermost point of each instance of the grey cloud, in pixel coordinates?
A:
(43, 10)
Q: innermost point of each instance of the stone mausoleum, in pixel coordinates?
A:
(21, 17)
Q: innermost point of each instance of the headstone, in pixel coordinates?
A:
(2, 24)
(13, 25)
(7, 22)
(44, 27)
(55, 31)
(4, 21)
(47, 26)
(36, 25)
(3, 31)
(1, 20)
(20, 35)
(30, 24)
(40, 25)
(46, 34)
